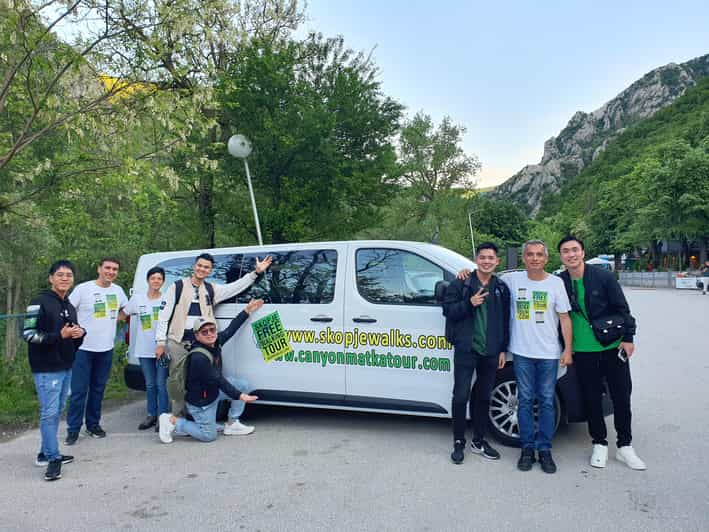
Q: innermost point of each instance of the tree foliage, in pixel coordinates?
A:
(322, 132)
(650, 184)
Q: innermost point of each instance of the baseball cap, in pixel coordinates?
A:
(201, 322)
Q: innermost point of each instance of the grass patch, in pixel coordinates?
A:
(18, 398)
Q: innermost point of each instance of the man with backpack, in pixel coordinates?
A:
(53, 336)
(188, 299)
(477, 312)
(199, 374)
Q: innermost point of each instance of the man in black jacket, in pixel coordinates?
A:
(595, 293)
(478, 315)
(53, 335)
(205, 385)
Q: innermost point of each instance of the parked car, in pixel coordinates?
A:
(365, 324)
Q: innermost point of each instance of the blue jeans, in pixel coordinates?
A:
(155, 386)
(204, 426)
(536, 379)
(52, 389)
(88, 382)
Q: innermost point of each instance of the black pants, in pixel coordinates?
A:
(485, 367)
(591, 368)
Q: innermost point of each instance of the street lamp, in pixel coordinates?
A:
(470, 224)
(240, 147)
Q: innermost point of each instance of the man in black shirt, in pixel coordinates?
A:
(53, 336)
(205, 385)
(477, 311)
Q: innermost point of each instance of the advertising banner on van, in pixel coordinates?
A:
(271, 337)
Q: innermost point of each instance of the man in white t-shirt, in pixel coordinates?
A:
(539, 306)
(98, 306)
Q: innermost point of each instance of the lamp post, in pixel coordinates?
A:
(470, 224)
(240, 147)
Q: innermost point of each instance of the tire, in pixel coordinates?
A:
(503, 408)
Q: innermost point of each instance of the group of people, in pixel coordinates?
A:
(71, 336)
(544, 322)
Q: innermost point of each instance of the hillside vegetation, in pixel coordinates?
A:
(650, 184)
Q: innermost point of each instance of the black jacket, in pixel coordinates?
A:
(48, 351)
(460, 313)
(204, 380)
(603, 297)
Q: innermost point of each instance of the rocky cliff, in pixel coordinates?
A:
(587, 134)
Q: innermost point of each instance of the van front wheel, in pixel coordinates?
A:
(503, 421)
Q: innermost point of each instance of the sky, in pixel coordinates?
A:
(512, 72)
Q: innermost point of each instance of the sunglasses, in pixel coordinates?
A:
(207, 330)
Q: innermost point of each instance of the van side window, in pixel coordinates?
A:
(176, 269)
(225, 266)
(392, 276)
(306, 276)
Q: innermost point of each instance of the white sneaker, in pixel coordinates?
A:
(166, 428)
(599, 456)
(237, 428)
(626, 454)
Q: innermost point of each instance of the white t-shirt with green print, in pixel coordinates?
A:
(97, 311)
(534, 323)
(145, 312)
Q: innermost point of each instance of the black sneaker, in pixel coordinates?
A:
(458, 451)
(148, 422)
(547, 462)
(71, 438)
(526, 460)
(485, 450)
(54, 470)
(42, 461)
(96, 431)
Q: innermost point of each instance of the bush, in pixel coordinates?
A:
(18, 398)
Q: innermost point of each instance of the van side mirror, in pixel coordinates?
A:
(440, 291)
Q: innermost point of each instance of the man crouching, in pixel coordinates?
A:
(205, 385)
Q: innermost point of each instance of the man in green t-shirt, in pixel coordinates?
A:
(595, 293)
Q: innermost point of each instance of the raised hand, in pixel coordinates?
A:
(253, 305)
(262, 265)
(479, 297)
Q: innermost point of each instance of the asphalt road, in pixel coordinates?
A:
(322, 470)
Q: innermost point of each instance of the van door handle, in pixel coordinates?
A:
(326, 319)
(364, 319)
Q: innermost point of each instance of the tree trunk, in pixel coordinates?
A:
(206, 209)
(702, 251)
(12, 325)
(655, 253)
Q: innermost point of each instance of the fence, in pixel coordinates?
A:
(648, 279)
(10, 334)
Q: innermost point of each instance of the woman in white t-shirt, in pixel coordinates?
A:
(145, 309)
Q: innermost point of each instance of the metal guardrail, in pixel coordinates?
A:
(648, 279)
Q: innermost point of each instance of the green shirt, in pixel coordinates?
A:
(584, 339)
(480, 329)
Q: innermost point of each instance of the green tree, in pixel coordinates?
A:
(432, 160)
(322, 133)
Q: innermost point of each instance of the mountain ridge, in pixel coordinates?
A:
(587, 134)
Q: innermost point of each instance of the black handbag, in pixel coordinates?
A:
(608, 329)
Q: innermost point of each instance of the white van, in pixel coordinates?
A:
(365, 325)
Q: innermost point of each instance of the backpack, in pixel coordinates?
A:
(179, 286)
(177, 379)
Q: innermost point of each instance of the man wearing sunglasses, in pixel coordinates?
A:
(205, 385)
